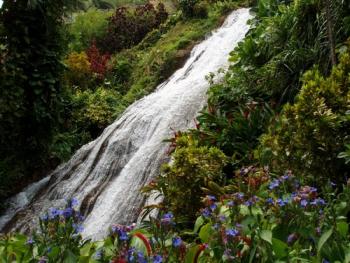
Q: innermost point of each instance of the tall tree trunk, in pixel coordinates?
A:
(330, 32)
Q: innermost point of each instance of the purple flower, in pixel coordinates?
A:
(240, 196)
(222, 218)
(303, 203)
(157, 259)
(231, 232)
(280, 202)
(141, 257)
(249, 202)
(285, 177)
(43, 260)
(78, 228)
(44, 218)
(30, 241)
(206, 212)
(131, 256)
(167, 218)
(211, 197)
(53, 213)
(291, 238)
(98, 255)
(74, 202)
(177, 241)
(274, 184)
(230, 204)
(123, 235)
(213, 207)
(269, 201)
(68, 212)
(325, 261)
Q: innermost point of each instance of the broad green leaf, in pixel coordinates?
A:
(69, 257)
(266, 235)
(205, 233)
(85, 250)
(323, 239)
(279, 248)
(343, 228)
(198, 224)
(191, 252)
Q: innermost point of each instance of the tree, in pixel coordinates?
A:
(33, 42)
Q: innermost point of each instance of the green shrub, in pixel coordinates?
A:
(86, 27)
(79, 72)
(310, 134)
(187, 7)
(192, 168)
(94, 110)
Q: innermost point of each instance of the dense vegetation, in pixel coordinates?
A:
(266, 168)
(86, 68)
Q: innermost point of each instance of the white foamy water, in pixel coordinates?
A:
(107, 174)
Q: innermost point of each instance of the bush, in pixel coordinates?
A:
(79, 72)
(187, 7)
(200, 10)
(127, 27)
(94, 110)
(86, 27)
(193, 167)
(98, 61)
(311, 133)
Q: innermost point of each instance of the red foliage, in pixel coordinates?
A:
(98, 61)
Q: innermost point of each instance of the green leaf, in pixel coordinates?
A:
(198, 224)
(343, 228)
(85, 250)
(69, 257)
(191, 252)
(279, 248)
(323, 239)
(205, 233)
(266, 235)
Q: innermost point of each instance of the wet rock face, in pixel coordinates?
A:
(106, 174)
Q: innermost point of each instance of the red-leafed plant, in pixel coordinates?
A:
(98, 61)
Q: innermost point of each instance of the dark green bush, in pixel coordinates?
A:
(311, 133)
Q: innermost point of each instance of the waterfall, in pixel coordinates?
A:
(106, 174)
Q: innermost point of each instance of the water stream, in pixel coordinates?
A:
(106, 174)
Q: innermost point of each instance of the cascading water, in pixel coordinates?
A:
(107, 174)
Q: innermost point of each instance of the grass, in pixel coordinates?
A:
(165, 50)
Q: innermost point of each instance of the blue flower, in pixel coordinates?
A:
(123, 235)
(131, 252)
(141, 257)
(98, 254)
(211, 197)
(231, 232)
(222, 218)
(206, 212)
(303, 203)
(177, 241)
(291, 238)
(167, 218)
(249, 202)
(230, 204)
(53, 213)
(157, 259)
(280, 202)
(325, 261)
(240, 196)
(74, 202)
(78, 228)
(30, 241)
(44, 218)
(213, 207)
(68, 212)
(269, 201)
(274, 184)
